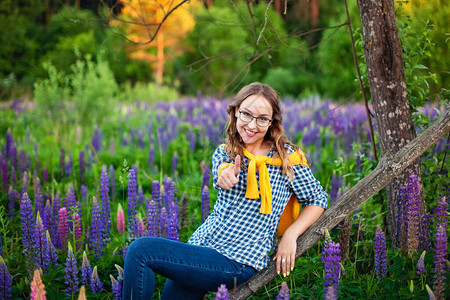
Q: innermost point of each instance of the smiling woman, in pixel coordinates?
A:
(234, 241)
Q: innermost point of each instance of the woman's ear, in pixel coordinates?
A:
(236, 112)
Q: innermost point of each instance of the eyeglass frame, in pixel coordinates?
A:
(253, 117)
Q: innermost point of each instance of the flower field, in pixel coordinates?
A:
(75, 195)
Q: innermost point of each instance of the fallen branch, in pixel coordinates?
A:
(387, 169)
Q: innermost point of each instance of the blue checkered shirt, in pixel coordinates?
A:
(236, 228)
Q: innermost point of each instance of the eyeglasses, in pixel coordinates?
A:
(260, 121)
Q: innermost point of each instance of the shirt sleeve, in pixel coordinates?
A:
(218, 157)
(307, 188)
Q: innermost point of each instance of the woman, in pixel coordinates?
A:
(255, 173)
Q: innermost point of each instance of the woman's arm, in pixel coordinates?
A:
(288, 245)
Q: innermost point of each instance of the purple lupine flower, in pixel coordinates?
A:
(53, 257)
(284, 292)
(117, 284)
(173, 226)
(62, 165)
(39, 199)
(112, 182)
(84, 194)
(174, 163)
(222, 293)
(69, 165)
(116, 288)
(5, 281)
(151, 157)
(163, 220)
(82, 166)
(441, 213)
(152, 218)
(420, 266)
(24, 161)
(77, 232)
(380, 253)
(47, 216)
(12, 202)
(332, 260)
(5, 176)
(71, 273)
(86, 271)
(41, 244)
(97, 139)
(425, 232)
(28, 233)
(330, 293)
(132, 209)
(413, 214)
(105, 203)
(63, 229)
(9, 141)
(205, 203)
(13, 157)
(439, 262)
(206, 176)
(96, 237)
(45, 174)
(140, 195)
(25, 182)
(13, 177)
(96, 284)
(156, 193)
(336, 185)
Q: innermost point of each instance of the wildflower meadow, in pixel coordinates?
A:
(75, 193)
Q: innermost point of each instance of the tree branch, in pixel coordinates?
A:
(387, 169)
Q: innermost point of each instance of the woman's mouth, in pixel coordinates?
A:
(250, 133)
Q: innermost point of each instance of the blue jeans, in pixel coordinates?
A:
(191, 270)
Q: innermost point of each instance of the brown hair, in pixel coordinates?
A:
(275, 133)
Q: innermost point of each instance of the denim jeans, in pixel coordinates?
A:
(191, 270)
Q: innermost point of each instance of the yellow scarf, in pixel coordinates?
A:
(261, 162)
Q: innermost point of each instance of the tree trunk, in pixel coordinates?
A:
(388, 168)
(386, 75)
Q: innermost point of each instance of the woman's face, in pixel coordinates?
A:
(257, 106)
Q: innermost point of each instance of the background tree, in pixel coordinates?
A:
(385, 69)
(142, 20)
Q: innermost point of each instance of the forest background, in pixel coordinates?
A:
(208, 47)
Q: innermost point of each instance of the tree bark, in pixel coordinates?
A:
(387, 169)
(385, 70)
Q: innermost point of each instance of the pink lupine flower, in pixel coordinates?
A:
(120, 219)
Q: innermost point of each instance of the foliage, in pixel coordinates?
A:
(90, 89)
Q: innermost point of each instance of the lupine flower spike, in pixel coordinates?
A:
(96, 237)
(332, 260)
(37, 287)
(53, 257)
(82, 295)
(28, 233)
(86, 271)
(439, 262)
(132, 210)
(222, 293)
(420, 267)
(430, 292)
(205, 203)
(71, 273)
(284, 292)
(96, 284)
(5, 281)
(63, 228)
(380, 254)
(120, 219)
